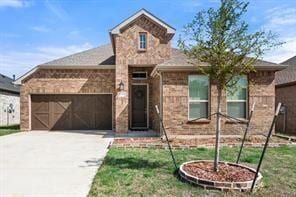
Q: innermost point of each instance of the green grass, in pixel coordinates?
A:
(5, 130)
(150, 172)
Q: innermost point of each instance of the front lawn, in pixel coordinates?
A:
(5, 130)
(150, 172)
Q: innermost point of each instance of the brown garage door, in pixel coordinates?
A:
(71, 112)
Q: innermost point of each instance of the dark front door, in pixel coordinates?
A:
(139, 107)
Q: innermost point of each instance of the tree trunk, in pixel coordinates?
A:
(218, 128)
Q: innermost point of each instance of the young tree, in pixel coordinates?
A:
(221, 39)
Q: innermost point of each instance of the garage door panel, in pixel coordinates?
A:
(61, 112)
(40, 113)
(71, 112)
(40, 121)
(103, 119)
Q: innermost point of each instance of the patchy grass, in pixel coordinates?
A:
(150, 172)
(5, 130)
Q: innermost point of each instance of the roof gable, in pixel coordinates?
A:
(288, 75)
(116, 29)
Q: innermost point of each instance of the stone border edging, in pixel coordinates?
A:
(224, 186)
(164, 146)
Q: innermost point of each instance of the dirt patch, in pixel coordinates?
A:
(226, 173)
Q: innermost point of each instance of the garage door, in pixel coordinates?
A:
(71, 112)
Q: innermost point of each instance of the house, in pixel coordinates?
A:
(116, 86)
(285, 91)
(9, 102)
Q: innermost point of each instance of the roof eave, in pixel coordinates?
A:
(20, 79)
(160, 68)
(291, 83)
(117, 28)
(10, 90)
(271, 68)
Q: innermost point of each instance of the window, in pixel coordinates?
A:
(237, 99)
(139, 75)
(198, 96)
(143, 41)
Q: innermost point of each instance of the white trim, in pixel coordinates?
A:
(197, 101)
(236, 101)
(160, 99)
(27, 74)
(147, 105)
(116, 30)
(139, 41)
(30, 95)
(241, 101)
(140, 77)
(30, 113)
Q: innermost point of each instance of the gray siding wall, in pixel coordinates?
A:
(7, 118)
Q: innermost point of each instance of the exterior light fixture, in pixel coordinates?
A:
(121, 86)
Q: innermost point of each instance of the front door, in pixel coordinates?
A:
(139, 107)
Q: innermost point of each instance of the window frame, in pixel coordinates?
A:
(139, 41)
(189, 101)
(140, 78)
(238, 101)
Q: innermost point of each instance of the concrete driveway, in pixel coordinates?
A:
(40, 163)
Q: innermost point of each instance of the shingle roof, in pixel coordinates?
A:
(178, 58)
(291, 61)
(102, 55)
(287, 75)
(7, 85)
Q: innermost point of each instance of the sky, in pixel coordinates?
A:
(36, 31)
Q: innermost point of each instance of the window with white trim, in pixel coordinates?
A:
(198, 96)
(237, 99)
(142, 40)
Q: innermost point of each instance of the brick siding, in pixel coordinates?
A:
(127, 54)
(287, 95)
(64, 81)
(175, 105)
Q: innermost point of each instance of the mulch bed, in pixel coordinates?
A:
(226, 173)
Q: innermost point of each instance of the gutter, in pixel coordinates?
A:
(194, 68)
(282, 85)
(160, 98)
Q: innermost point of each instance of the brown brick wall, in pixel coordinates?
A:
(64, 81)
(287, 96)
(175, 105)
(127, 54)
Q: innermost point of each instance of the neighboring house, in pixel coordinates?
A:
(9, 102)
(285, 90)
(117, 86)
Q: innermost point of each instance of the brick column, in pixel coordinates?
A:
(121, 101)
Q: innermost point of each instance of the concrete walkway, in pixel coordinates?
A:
(42, 164)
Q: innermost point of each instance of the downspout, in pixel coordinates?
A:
(160, 99)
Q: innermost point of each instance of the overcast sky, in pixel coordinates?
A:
(36, 31)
